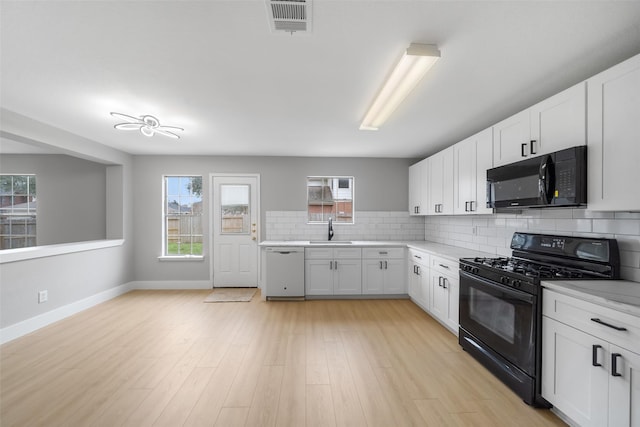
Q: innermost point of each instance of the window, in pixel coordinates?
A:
(182, 215)
(330, 197)
(234, 206)
(17, 211)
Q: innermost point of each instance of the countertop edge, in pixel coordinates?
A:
(451, 252)
(626, 299)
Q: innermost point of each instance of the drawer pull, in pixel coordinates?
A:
(617, 328)
(614, 365)
(594, 355)
(383, 253)
(417, 256)
(444, 266)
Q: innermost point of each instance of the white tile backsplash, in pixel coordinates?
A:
(492, 233)
(379, 225)
(486, 233)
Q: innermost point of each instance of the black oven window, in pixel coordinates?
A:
(493, 313)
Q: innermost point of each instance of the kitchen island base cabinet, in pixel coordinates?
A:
(587, 373)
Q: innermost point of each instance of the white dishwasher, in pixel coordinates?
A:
(285, 272)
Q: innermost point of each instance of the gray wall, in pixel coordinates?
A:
(380, 185)
(71, 194)
(70, 277)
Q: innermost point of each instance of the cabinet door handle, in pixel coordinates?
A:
(614, 364)
(385, 265)
(380, 265)
(617, 328)
(330, 265)
(418, 270)
(335, 263)
(471, 208)
(439, 281)
(594, 355)
(444, 283)
(466, 206)
(532, 149)
(523, 146)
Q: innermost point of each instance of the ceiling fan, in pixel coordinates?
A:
(147, 125)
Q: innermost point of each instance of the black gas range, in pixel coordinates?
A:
(501, 301)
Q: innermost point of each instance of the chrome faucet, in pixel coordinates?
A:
(330, 228)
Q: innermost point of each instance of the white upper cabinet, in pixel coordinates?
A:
(614, 129)
(559, 122)
(554, 124)
(472, 157)
(511, 139)
(418, 188)
(441, 183)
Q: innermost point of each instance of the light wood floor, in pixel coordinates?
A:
(167, 358)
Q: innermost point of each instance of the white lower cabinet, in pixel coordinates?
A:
(418, 278)
(624, 389)
(383, 271)
(445, 292)
(333, 271)
(569, 381)
(590, 362)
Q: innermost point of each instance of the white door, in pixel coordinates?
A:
(235, 231)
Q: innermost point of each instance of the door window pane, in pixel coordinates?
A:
(234, 208)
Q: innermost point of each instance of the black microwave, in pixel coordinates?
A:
(550, 180)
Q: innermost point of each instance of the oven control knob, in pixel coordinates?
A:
(504, 280)
(517, 283)
(475, 270)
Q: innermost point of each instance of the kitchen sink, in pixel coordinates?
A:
(330, 242)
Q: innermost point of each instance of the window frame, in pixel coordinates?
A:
(164, 254)
(28, 214)
(337, 178)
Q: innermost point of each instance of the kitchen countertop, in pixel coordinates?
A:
(451, 252)
(353, 244)
(620, 295)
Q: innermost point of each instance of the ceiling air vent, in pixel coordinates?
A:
(290, 16)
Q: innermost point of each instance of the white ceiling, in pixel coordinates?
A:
(214, 68)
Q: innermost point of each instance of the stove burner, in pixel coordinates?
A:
(529, 268)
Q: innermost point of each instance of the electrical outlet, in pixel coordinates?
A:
(43, 296)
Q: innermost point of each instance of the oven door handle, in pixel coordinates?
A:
(519, 295)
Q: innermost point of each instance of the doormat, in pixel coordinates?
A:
(231, 295)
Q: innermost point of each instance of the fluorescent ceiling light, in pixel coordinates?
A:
(414, 64)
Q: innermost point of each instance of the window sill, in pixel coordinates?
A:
(181, 258)
(23, 254)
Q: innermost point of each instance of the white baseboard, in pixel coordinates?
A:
(171, 284)
(27, 326)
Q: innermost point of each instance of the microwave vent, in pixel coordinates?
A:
(289, 16)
